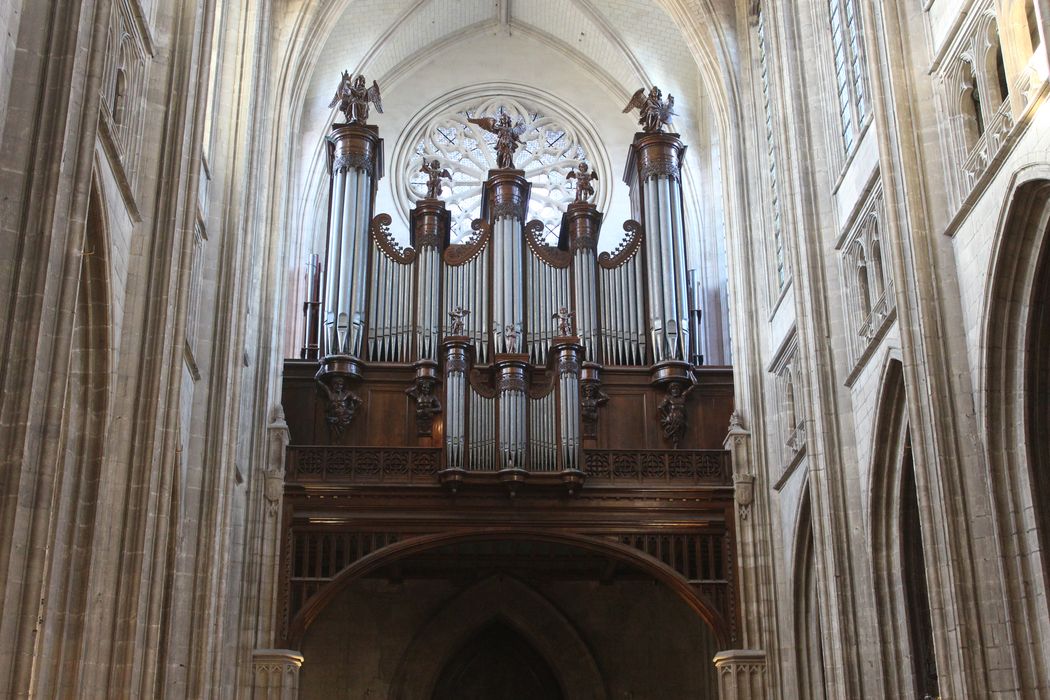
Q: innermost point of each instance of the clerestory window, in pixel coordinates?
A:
(849, 69)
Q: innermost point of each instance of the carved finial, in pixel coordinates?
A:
(583, 177)
(353, 97)
(736, 424)
(508, 136)
(457, 315)
(435, 174)
(654, 112)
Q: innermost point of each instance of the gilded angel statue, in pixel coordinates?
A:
(354, 98)
(654, 112)
(508, 136)
(583, 177)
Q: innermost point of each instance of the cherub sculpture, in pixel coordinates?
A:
(435, 173)
(583, 177)
(508, 136)
(353, 98)
(654, 112)
(565, 320)
(457, 315)
(672, 411)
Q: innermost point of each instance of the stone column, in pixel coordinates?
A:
(276, 674)
(741, 674)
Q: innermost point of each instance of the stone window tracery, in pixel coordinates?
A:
(867, 292)
(550, 149)
(975, 99)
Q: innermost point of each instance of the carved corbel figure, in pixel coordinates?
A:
(341, 406)
(591, 399)
(672, 411)
(427, 404)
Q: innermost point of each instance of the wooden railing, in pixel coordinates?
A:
(420, 465)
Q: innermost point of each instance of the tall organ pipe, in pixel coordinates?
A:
(654, 172)
(355, 152)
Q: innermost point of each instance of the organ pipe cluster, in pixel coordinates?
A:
(492, 309)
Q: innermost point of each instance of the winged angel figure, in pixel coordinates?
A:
(354, 97)
(583, 177)
(508, 136)
(653, 111)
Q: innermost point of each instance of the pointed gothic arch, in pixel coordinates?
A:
(809, 658)
(507, 601)
(1014, 382)
(80, 456)
(662, 573)
(899, 563)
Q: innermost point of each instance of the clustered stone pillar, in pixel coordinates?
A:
(276, 674)
(654, 173)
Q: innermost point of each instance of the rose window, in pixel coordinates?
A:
(548, 152)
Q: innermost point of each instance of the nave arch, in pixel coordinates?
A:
(663, 574)
(1014, 386)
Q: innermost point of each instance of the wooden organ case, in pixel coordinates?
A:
(504, 389)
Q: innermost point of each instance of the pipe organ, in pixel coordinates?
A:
(518, 328)
(436, 378)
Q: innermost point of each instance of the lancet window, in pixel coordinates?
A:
(849, 69)
(779, 270)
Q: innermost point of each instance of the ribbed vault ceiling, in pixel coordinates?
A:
(622, 44)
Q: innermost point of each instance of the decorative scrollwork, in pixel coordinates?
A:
(380, 230)
(461, 254)
(629, 245)
(555, 257)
